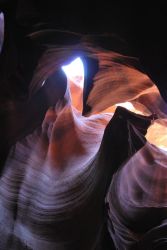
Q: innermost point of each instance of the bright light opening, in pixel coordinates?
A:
(75, 72)
(126, 105)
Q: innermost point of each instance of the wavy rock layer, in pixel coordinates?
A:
(55, 181)
(138, 199)
(50, 192)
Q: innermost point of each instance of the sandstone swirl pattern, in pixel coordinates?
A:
(54, 190)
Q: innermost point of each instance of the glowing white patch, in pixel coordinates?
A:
(75, 72)
(162, 147)
(43, 83)
(126, 105)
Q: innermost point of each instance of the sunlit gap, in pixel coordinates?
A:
(156, 133)
(75, 72)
